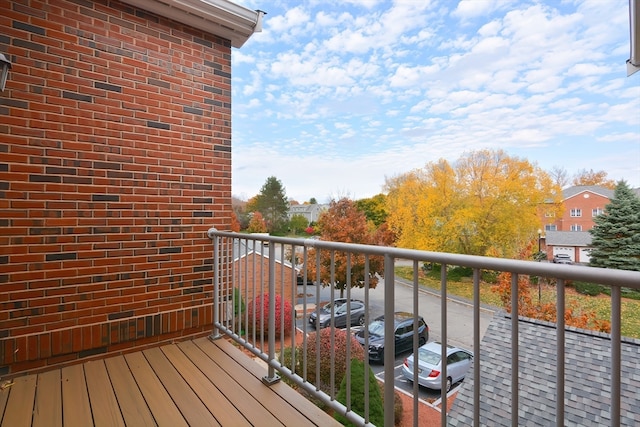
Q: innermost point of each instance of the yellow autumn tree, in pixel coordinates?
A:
(486, 203)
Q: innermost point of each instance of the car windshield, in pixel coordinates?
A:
(428, 356)
(376, 328)
(329, 306)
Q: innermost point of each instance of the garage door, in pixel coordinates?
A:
(585, 255)
(568, 250)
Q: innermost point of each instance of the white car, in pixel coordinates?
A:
(430, 365)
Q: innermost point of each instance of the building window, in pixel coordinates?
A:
(576, 227)
(550, 227)
(549, 214)
(576, 212)
(597, 211)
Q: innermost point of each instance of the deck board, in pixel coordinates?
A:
(47, 411)
(164, 410)
(104, 404)
(23, 392)
(250, 409)
(197, 382)
(76, 410)
(208, 388)
(133, 407)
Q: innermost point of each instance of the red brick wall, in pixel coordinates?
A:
(586, 204)
(115, 158)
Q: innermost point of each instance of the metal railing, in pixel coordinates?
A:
(246, 266)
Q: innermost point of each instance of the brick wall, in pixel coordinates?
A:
(115, 158)
(586, 202)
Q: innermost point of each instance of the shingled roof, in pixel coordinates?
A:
(587, 378)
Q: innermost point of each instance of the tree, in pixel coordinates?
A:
(486, 203)
(343, 222)
(573, 316)
(590, 177)
(616, 233)
(559, 176)
(256, 224)
(235, 224)
(374, 208)
(313, 201)
(271, 202)
(357, 393)
(298, 223)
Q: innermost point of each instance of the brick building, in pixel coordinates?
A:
(569, 234)
(115, 159)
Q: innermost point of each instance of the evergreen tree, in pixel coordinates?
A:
(272, 204)
(616, 234)
(376, 413)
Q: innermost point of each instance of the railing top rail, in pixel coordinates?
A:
(605, 276)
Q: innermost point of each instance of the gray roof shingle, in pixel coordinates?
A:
(587, 378)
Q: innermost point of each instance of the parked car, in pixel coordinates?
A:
(430, 365)
(562, 259)
(340, 314)
(403, 331)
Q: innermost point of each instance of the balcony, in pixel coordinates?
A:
(492, 393)
(213, 381)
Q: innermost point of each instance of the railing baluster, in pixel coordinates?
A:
(416, 384)
(560, 346)
(443, 339)
(514, 350)
(389, 338)
(476, 347)
(271, 377)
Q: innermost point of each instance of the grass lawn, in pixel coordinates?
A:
(600, 304)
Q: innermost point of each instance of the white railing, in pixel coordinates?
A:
(246, 266)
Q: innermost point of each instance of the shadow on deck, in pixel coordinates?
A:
(197, 383)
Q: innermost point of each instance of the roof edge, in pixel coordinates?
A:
(220, 17)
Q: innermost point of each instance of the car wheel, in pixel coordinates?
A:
(449, 384)
(361, 320)
(421, 342)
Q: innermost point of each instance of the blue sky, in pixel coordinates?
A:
(332, 96)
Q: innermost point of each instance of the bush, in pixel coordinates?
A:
(376, 414)
(457, 273)
(259, 312)
(238, 302)
(587, 288)
(340, 356)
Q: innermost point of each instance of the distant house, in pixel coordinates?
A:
(311, 212)
(569, 234)
(586, 395)
(250, 264)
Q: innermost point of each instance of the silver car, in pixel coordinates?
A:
(430, 365)
(340, 315)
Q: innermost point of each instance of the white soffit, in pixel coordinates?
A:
(220, 17)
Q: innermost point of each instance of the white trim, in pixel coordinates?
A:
(220, 17)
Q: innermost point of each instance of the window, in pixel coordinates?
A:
(597, 211)
(576, 212)
(549, 214)
(576, 227)
(550, 227)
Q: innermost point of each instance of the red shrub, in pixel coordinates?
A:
(259, 312)
(340, 356)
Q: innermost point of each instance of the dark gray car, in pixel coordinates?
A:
(355, 315)
(403, 327)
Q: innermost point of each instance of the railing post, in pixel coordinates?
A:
(271, 377)
(389, 339)
(215, 333)
(616, 354)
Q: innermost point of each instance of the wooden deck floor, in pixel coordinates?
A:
(191, 383)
